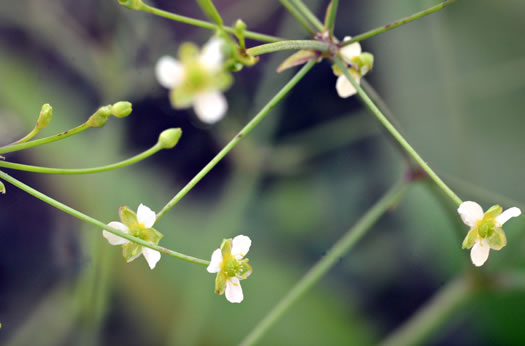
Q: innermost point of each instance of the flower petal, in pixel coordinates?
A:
(169, 72)
(115, 239)
(215, 263)
(211, 54)
(344, 87)
(151, 256)
(210, 106)
(470, 213)
(350, 51)
(507, 215)
(480, 252)
(240, 246)
(146, 216)
(234, 291)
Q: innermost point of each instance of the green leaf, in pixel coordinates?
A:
(210, 10)
(296, 59)
(497, 240)
(470, 239)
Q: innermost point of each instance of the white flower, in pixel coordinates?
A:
(230, 265)
(359, 64)
(485, 229)
(139, 225)
(197, 79)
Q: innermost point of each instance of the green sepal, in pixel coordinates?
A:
(181, 98)
(222, 81)
(151, 235)
(470, 239)
(131, 250)
(210, 10)
(127, 216)
(2, 188)
(298, 58)
(497, 240)
(188, 52)
(220, 283)
(336, 70)
(492, 212)
(226, 249)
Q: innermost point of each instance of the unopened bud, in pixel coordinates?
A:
(169, 138)
(132, 4)
(2, 188)
(239, 27)
(121, 109)
(100, 117)
(46, 113)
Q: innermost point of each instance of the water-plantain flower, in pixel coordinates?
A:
(198, 79)
(359, 64)
(139, 225)
(485, 229)
(230, 265)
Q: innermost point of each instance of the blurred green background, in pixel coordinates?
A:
(454, 82)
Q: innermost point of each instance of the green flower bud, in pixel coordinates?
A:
(46, 113)
(121, 109)
(2, 188)
(132, 4)
(100, 117)
(239, 27)
(169, 138)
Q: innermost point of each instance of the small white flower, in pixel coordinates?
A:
(230, 265)
(197, 79)
(485, 229)
(359, 64)
(139, 225)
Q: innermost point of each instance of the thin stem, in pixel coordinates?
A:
(288, 45)
(97, 223)
(50, 139)
(324, 264)
(388, 125)
(330, 23)
(27, 137)
(397, 23)
(302, 8)
(204, 24)
(246, 129)
(433, 314)
(298, 15)
(47, 170)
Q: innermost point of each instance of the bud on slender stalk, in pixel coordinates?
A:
(169, 138)
(121, 109)
(132, 4)
(100, 117)
(46, 113)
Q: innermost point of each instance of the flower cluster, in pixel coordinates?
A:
(359, 63)
(139, 225)
(485, 229)
(198, 79)
(230, 265)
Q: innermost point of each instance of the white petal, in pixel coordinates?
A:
(169, 72)
(350, 51)
(210, 106)
(240, 246)
(234, 290)
(151, 256)
(470, 213)
(344, 87)
(508, 214)
(480, 253)
(146, 216)
(211, 54)
(215, 263)
(115, 239)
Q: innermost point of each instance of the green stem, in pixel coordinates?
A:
(288, 45)
(298, 15)
(46, 170)
(27, 137)
(330, 23)
(323, 265)
(388, 125)
(302, 8)
(50, 139)
(397, 23)
(432, 315)
(97, 223)
(205, 24)
(245, 130)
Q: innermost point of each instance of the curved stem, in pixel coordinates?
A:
(245, 130)
(97, 223)
(204, 24)
(27, 137)
(47, 170)
(388, 125)
(288, 45)
(50, 139)
(324, 264)
(397, 23)
(301, 7)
